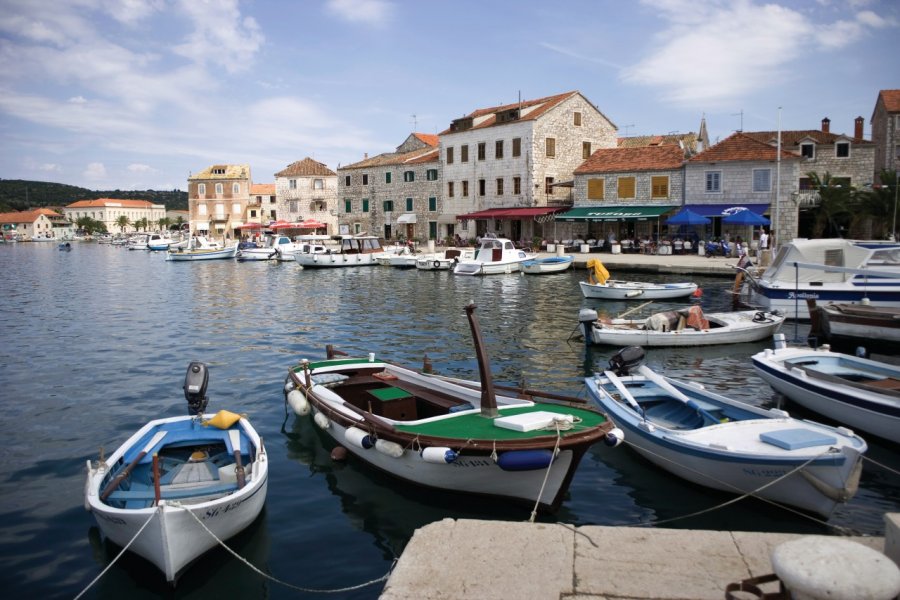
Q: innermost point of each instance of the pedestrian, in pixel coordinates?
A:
(763, 242)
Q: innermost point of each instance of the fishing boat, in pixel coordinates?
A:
(450, 434)
(827, 270)
(724, 444)
(268, 250)
(492, 257)
(202, 249)
(180, 484)
(444, 261)
(158, 242)
(855, 323)
(549, 264)
(684, 327)
(348, 251)
(850, 390)
(306, 243)
(599, 285)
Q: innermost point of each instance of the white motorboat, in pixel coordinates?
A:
(683, 327)
(272, 246)
(444, 261)
(851, 390)
(157, 242)
(403, 258)
(179, 484)
(307, 244)
(599, 285)
(349, 251)
(827, 270)
(492, 257)
(717, 442)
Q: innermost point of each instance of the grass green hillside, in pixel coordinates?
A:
(19, 194)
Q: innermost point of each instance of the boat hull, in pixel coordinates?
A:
(190, 255)
(726, 328)
(636, 290)
(543, 266)
(328, 261)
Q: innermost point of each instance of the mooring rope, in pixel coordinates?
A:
(546, 476)
(118, 556)
(275, 579)
(883, 466)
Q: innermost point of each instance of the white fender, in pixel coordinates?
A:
(392, 449)
(439, 455)
(322, 421)
(298, 402)
(358, 438)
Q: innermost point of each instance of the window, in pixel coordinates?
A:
(409, 176)
(387, 177)
(595, 189)
(548, 185)
(431, 174)
(293, 206)
(220, 210)
(808, 150)
(842, 149)
(465, 189)
(498, 149)
(365, 205)
(201, 189)
(762, 180)
(585, 149)
(551, 147)
(464, 153)
(365, 180)
(292, 184)
(235, 189)
(713, 182)
(517, 147)
(499, 186)
(236, 208)
(201, 209)
(659, 186)
(450, 189)
(409, 205)
(450, 155)
(805, 184)
(348, 205)
(220, 188)
(625, 188)
(482, 151)
(388, 206)
(347, 180)
(577, 119)
(481, 187)
(517, 185)
(432, 203)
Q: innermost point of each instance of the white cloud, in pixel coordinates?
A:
(77, 100)
(574, 54)
(373, 12)
(221, 35)
(50, 168)
(132, 11)
(139, 168)
(95, 171)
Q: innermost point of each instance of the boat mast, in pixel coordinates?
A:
(488, 398)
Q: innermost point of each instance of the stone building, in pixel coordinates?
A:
(262, 207)
(395, 195)
(307, 189)
(742, 172)
(109, 210)
(886, 132)
(507, 167)
(42, 223)
(623, 192)
(218, 198)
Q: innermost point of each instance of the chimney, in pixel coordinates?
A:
(858, 128)
(826, 125)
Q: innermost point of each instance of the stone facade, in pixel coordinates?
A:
(395, 195)
(886, 132)
(218, 198)
(308, 189)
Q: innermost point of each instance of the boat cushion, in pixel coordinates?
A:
(328, 379)
(794, 439)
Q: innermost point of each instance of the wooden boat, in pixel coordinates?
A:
(856, 323)
(493, 256)
(854, 391)
(599, 285)
(152, 494)
(203, 252)
(349, 251)
(684, 327)
(550, 264)
(717, 442)
(449, 434)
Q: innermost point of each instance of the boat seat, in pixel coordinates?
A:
(888, 383)
(673, 415)
(172, 494)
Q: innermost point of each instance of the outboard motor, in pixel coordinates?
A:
(626, 359)
(195, 382)
(587, 317)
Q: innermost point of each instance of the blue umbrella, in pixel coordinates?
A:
(688, 217)
(746, 217)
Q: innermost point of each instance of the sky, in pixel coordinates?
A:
(139, 94)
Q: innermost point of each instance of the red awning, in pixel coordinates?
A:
(512, 213)
(250, 226)
(310, 224)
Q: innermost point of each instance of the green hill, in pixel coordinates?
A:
(19, 194)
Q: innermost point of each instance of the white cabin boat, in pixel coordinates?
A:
(492, 257)
(351, 251)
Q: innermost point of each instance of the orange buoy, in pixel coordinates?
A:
(698, 293)
(339, 453)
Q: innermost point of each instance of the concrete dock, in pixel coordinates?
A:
(491, 560)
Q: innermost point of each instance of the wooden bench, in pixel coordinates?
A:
(217, 489)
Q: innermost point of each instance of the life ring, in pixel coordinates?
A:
(437, 264)
(761, 317)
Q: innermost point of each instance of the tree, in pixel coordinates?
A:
(90, 226)
(141, 223)
(836, 211)
(123, 222)
(878, 204)
(164, 223)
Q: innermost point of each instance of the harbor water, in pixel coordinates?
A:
(96, 341)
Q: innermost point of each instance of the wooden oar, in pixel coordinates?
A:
(235, 437)
(518, 390)
(117, 481)
(661, 382)
(636, 308)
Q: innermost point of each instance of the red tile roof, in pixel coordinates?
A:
(539, 106)
(619, 160)
(891, 100)
(103, 202)
(27, 216)
(792, 139)
(421, 155)
(740, 147)
(306, 168)
(429, 138)
(262, 189)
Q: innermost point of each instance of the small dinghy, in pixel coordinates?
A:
(599, 285)
(725, 444)
(550, 264)
(179, 484)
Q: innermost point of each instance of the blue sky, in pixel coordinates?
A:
(138, 94)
